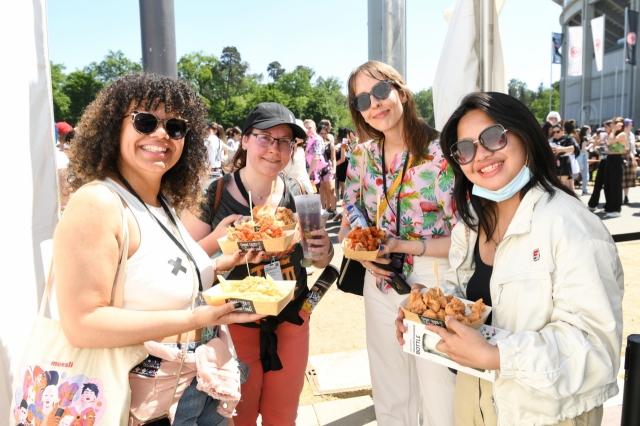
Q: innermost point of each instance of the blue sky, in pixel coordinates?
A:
(329, 36)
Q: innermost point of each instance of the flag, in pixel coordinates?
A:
(458, 67)
(574, 63)
(597, 31)
(632, 29)
(556, 43)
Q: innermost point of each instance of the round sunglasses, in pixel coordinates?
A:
(380, 91)
(493, 139)
(147, 123)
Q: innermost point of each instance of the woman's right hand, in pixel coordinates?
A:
(376, 270)
(222, 315)
(227, 262)
(221, 229)
(400, 328)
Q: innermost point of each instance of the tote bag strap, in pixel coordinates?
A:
(117, 292)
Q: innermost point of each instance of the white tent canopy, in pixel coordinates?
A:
(30, 208)
(458, 69)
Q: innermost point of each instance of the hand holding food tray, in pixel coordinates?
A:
(269, 238)
(420, 342)
(257, 294)
(432, 306)
(363, 244)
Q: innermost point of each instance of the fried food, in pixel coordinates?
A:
(367, 239)
(434, 304)
(245, 232)
(416, 304)
(258, 289)
(264, 216)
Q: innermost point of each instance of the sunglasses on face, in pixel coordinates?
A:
(147, 123)
(380, 91)
(265, 141)
(493, 139)
(557, 132)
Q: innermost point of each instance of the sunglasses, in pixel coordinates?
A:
(265, 141)
(380, 91)
(557, 132)
(493, 139)
(147, 123)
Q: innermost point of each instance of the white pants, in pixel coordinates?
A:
(398, 378)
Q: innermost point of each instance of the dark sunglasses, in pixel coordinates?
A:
(557, 131)
(493, 139)
(380, 91)
(147, 123)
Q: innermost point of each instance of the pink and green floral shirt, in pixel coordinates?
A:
(427, 208)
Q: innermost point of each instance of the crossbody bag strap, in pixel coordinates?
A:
(392, 189)
(117, 291)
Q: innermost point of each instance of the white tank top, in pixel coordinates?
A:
(158, 276)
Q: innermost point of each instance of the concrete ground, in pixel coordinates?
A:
(338, 326)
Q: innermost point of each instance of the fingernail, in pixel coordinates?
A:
(393, 275)
(381, 248)
(237, 305)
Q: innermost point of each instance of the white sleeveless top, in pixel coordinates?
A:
(158, 276)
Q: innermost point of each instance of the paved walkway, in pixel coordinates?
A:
(358, 411)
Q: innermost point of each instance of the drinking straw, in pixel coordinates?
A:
(247, 262)
(250, 208)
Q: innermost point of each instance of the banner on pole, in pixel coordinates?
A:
(632, 30)
(556, 43)
(574, 63)
(597, 31)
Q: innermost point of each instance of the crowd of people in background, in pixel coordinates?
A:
(318, 162)
(609, 152)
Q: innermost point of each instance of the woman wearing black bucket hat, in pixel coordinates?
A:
(276, 349)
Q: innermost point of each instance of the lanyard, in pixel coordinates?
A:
(384, 187)
(166, 231)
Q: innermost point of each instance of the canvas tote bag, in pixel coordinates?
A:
(80, 385)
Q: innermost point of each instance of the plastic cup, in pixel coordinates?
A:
(309, 209)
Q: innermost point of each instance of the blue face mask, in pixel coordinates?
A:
(507, 191)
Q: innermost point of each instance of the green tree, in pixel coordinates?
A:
(81, 87)
(540, 106)
(424, 104)
(114, 65)
(275, 70)
(61, 101)
(233, 71)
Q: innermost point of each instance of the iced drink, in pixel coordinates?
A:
(308, 209)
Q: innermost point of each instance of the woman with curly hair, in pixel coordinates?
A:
(142, 139)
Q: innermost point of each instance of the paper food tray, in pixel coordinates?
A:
(214, 296)
(421, 342)
(359, 255)
(275, 245)
(426, 320)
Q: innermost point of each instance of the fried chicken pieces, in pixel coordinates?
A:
(367, 239)
(434, 304)
(264, 216)
(245, 232)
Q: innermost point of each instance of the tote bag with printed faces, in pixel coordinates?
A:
(57, 383)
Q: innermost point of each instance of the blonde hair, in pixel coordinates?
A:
(417, 134)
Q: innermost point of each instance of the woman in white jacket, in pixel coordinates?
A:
(547, 266)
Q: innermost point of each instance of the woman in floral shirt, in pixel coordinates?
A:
(418, 219)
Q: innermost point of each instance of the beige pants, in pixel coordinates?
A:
(398, 379)
(473, 406)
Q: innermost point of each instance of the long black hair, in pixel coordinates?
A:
(515, 117)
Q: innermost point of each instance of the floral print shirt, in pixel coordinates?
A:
(427, 209)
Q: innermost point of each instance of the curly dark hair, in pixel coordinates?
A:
(95, 151)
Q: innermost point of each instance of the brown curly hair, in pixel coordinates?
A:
(95, 151)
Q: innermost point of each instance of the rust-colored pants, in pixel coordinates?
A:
(274, 395)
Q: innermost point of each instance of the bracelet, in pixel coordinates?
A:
(215, 268)
(330, 251)
(424, 247)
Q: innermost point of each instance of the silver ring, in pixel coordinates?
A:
(225, 405)
(371, 271)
